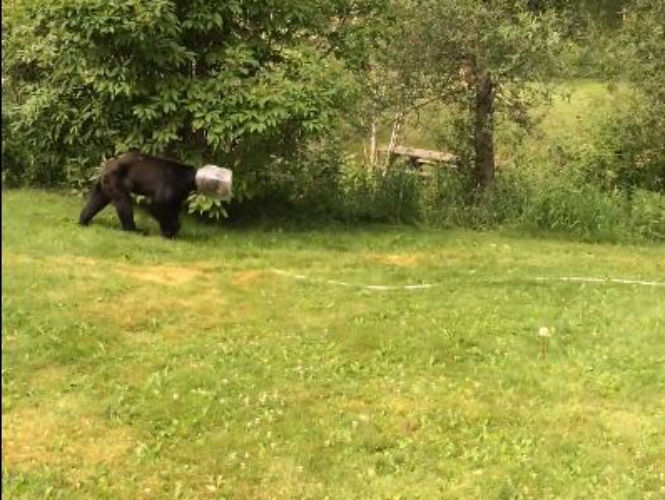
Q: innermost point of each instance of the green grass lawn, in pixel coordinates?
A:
(135, 367)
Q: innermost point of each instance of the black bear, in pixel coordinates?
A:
(166, 184)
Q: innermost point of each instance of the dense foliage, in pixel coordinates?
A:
(283, 90)
(243, 82)
(639, 131)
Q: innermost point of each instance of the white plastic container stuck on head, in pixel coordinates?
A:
(214, 181)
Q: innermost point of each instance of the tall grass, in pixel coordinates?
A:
(530, 199)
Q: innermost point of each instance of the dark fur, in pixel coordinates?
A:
(164, 182)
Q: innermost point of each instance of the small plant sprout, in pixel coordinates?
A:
(544, 333)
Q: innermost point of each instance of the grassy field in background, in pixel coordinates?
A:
(577, 106)
(135, 367)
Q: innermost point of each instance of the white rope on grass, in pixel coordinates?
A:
(351, 285)
(424, 286)
(601, 280)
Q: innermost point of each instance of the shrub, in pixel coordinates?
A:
(536, 198)
(626, 147)
(647, 215)
(240, 83)
(393, 195)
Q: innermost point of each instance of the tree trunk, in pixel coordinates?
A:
(484, 129)
(372, 144)
(394, 137)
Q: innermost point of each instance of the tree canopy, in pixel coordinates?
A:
(200, 79)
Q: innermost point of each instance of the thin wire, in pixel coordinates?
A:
(423, 286)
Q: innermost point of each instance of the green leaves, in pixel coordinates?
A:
(204, 205)
(196, 79)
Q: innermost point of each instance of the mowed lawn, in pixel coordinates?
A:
(135, 367)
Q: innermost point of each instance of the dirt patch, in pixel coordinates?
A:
(203, 311)
(167, 274)
(50, 376)
(397, 259)
(52, 264)
(627, 424)
(141, 313)
(36, 437)
(128, 311)
(15, 259)
(247, 278)
(598, 417)
(162, 275)
(74, 260)
(151, 487)
(284, 479)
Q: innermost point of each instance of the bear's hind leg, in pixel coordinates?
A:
(123, 205)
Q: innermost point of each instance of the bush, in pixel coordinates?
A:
(392, 196)
(627, 147)
(241, 84)
(536, 198)
(647, 215)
